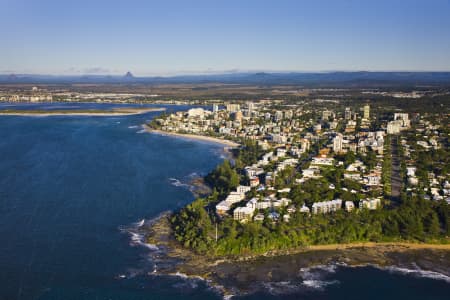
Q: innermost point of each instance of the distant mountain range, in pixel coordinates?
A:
(356, 79)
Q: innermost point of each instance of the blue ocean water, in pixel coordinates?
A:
(69, 184)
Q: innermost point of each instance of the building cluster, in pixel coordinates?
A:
(262, 174)
(360, 142)
(425, 136)
(287, 134)
(401, 122)
(403, 95)
(358, 172)
(327, 206)
(35, 95)
(252, 122)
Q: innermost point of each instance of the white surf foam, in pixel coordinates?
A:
(178, 183)
(194, 175)
(319, 284)
(179, 274)
(140, 223)
(316, 272)
(281, 287)
(137, 238)
(185, 276)
(315, 277)
(417, 272)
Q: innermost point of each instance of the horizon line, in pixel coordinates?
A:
(206, 73)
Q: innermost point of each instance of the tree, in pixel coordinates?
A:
(370, 159)
(432, 226)
(224, 178)
(349, 158)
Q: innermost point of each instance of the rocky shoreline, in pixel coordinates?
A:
(245, 275)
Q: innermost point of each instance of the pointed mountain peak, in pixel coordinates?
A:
(129, 75)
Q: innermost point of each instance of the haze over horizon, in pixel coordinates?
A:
(164, 38)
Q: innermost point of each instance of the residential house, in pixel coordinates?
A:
(371, 204)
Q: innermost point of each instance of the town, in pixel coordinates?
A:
(350, 162)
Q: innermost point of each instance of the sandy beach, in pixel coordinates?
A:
(194, 137)
(116, 112)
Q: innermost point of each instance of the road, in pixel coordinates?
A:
(396, 181)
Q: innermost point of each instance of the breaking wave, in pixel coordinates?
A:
(194, 175)
(281, 287)
(315, 277)
(137, 232)
(178, 183)
(307, 279)
(417, 272)
(138, 240)
(187, 281)
(319, 284)
(185, 276)
(139, 223)
(142, 130)
(331, 268)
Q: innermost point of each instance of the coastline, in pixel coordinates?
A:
(193, 137)
(164, 236)
(246, 275)
(118, 112)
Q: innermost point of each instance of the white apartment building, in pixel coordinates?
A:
(326, 206)
(243, 213)
(337, 143)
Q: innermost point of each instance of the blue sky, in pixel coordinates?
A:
(174, 37)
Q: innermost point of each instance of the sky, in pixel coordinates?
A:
(168, 37)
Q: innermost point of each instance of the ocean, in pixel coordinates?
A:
(74, 188)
